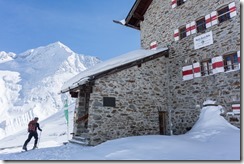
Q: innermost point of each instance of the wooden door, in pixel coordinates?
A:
(162, 122)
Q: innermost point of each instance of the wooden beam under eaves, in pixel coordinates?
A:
(138, 16)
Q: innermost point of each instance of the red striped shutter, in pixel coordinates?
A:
(217, 64)
(239, 58)
(188, 29)
(176, 34)
(232, 9)
(208, 21)
(193, 27)
(187, 72)
(197, 69)
(236, 108)
(173, 3)
(214, 18)
(153, 45)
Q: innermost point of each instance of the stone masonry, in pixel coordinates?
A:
(159, 23)
(157, 85)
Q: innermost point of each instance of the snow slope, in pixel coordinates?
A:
(211, 138)
(30, 83)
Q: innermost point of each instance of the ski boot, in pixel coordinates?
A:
(34, 147)
(24, 148)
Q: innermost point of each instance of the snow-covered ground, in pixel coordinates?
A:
(211, 138)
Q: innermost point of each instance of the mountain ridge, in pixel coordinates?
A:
(31, 82)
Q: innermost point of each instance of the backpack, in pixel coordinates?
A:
(32, 126)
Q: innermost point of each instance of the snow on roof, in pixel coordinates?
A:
(84, 76)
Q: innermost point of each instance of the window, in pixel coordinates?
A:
(182, 32)
(201, 25)
(206, 67)
(180, 2)
(231, 62)
(109, 101)
(224, 14)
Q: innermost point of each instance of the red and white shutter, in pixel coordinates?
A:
(197, 69)
(217, 64)
(232, 9)
(187, 72)
(236, 108)
(173, 3)
(193, 27)
(176, 34)
(239, 58)
(214, 18)
(208, 21)
(188, 29)
(153, 45)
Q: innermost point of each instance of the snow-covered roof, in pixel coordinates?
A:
(84, 76)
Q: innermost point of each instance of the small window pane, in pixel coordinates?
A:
(182, 32)
(201, 25)
(180, 2)
(223, 14)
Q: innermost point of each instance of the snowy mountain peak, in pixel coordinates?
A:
(50, 52)
(4, 56)
(30, 83)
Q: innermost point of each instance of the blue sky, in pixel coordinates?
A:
(85, 26)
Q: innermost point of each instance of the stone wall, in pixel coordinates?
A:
(159, 24)
(140, 91)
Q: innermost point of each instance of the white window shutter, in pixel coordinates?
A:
(153, 45)
(173, 3)
(197, 69)
(176, 34)
(188, 29)
(208, 21)
(239, 58)
(232, 9)
(193, 27)
(187, 72)
(214, 18)
(217, 64)
(236, 108)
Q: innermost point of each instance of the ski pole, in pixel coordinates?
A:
(39, 138)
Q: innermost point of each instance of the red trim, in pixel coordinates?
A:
(193, 27)
(197, 69)
(239, 59)
(208, 20)
(176, 34)
(188, 29)
(187, 72)
(236, 108)
(218, 64)
(173, 2)
(214, 17)
(153, 46)
(232, 9)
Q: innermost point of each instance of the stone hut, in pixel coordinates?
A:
(191, 53)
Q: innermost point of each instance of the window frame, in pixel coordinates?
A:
(234, 62)
(202, 27)
(209, 67)
(223, 15)
(182, 32)
(180, 2)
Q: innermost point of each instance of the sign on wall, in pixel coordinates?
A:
(203, 40)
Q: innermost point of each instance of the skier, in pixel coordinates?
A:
(32, 129)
